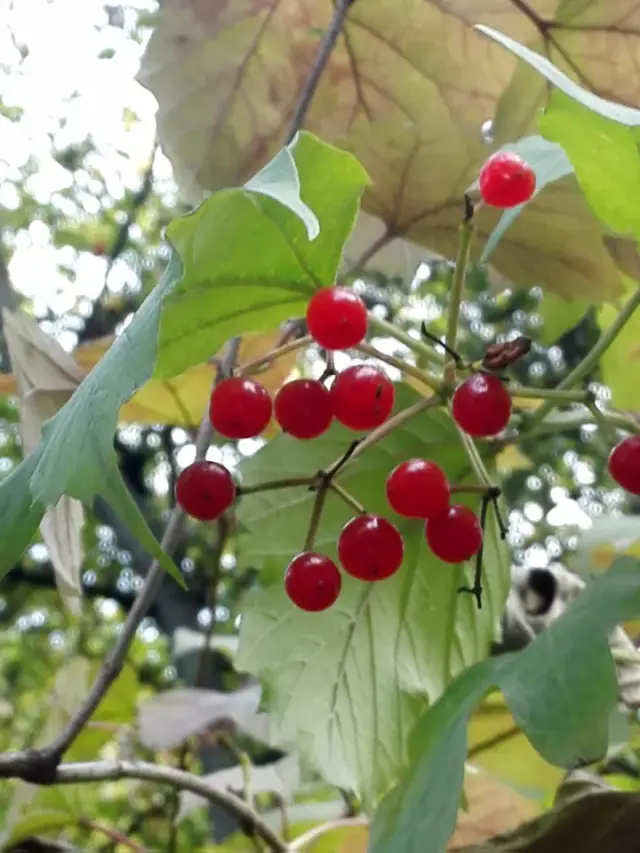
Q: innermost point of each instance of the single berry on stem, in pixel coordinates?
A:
(506, 180)
(303, 408)
(417, 489)
(362, 397)
(370, 548)
(481, 405)
(624, 464)
(239, 408)
(454, 535)
(337, 318)
(204, 490)
(312, 581)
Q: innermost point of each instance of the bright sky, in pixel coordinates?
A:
(65, 76)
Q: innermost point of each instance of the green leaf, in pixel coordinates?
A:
(619, 364)
(36, 811)
(548, 161)
(605, 158)
(558, 316)
(561, 690)
(249, 262)
(348, 683)
(608, 109)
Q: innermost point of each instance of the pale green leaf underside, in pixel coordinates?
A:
(347, 684)
(561, 690)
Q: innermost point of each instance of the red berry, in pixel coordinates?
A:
(239, 408)
(337, 318)
(362, 397)
(624, 464)
(312, 581)
(418, 489)
(205, 490)
(481, 405)
(370, 548)
(506, 180)
(303, 408)
(454, 535)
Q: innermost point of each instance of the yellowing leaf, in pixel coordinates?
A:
(410, 108)
(511, 459)
(180, 401)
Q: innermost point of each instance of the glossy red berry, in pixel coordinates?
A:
(362, 397)
(337, 318)
(506, 180)
(454, 535)
(303, 408)
(312, 581)
(481, 405)
(370, 548)
(624, 464)
(205, 490)
(240, 408)
(417, 489)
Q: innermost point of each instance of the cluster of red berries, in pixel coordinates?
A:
(371, 548)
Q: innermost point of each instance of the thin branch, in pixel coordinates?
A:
(114, 834)
(317, 69)
(307, 838)
(112, 771)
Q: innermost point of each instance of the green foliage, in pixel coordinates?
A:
(362, 670)
(560, 689)
(605, 157)
(226, 288)
(76, 456)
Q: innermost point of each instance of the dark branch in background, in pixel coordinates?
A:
(39, 766)
(317, 69)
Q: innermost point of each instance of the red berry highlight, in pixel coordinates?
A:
(454, 535)
(481, 405)
(417, 489)
(205, 490)
(240, 408)
(624, 464)
(506, 180)
(370, 548)
(312, 581)
(337, 318)
(303, 408)
(362, 397)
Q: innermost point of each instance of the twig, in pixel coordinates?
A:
(270, 485)
(426, 377)
(266, 360)
(112, 771)
(457, 285)
(307, 838)
(317, 69)
(114, 834)
(347, 498)
(39, 765)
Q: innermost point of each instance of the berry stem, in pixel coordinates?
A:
(430, 379)
(258, 364)
(347, 498)
(390, 330)
(468, 490)
(269, 485)
(557, 395)
(316, 515)
(570, 420)
(387, 427)
(457, 286)
(590, 361)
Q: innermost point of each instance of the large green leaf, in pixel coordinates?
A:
(558, 316)
(607, 109)
(348, 683)
(605, 158)
(249, 262)
(561, 690)
(619, 364)
(262, 253)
